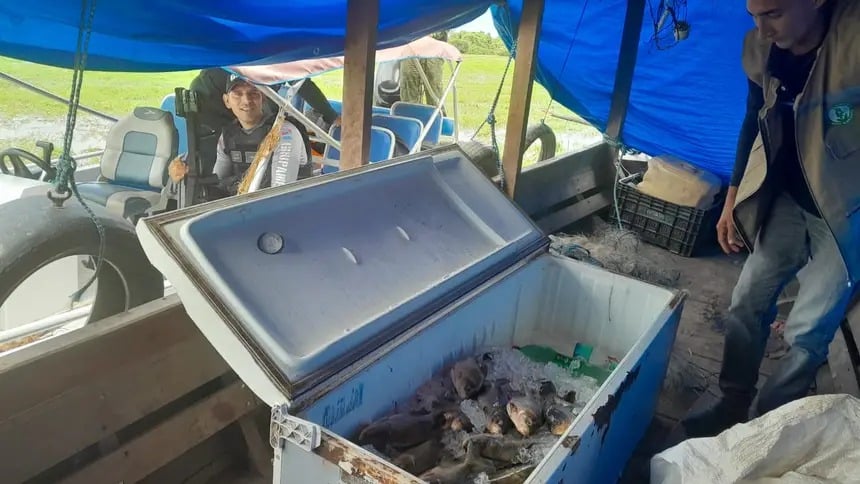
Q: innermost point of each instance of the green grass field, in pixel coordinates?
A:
(26, 117)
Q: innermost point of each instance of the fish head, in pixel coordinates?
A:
(467, 377)
(524, 416)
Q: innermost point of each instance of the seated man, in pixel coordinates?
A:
(240, 139)
(214, 115)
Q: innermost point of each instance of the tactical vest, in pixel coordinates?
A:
(242, 147)
(827, 129)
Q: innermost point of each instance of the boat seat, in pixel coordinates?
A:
(381, 147)
(169, 104)
(447, 127)
(338, 108)
(421, 112)
(406, 130)
(133, 177)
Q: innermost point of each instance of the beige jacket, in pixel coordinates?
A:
(827, 125)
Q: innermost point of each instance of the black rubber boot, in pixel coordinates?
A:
(791, 380)
(742, 355)
(720, 416)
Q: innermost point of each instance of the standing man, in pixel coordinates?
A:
(795, 203)
(412, 89)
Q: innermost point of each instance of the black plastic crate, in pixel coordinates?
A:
(681, 230)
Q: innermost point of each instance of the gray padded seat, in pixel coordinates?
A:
(134, 165)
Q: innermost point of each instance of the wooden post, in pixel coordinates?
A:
(362, 18)
(626, 66)
(521, 92)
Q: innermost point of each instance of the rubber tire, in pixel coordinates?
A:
(482, 156)
(34, 233)
(547, 139)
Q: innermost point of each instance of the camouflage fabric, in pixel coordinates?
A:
(411, 87)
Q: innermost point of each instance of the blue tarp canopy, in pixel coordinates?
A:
(168, 35)
(687, 100)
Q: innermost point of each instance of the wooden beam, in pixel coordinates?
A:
(362, 18)
(521, 92)
(626, 66)
(152, 450)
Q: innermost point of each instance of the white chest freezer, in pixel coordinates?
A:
(336, 297)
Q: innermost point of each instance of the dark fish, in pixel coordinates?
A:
(457, 473)
(508, 450)
(513, 475)
(570, 397)
(498, 422)
(559, 415)
(456, 420)
(402, 430)
(420, 458)
(493, 402)
(434, 394)
(467, 377)
(526, 413)
(547, 390)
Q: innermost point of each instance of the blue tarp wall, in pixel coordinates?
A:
(687, 100)
(171, 35)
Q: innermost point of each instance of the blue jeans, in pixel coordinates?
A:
(791, 242)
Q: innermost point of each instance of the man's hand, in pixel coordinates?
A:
(177, 169)
(726, 232)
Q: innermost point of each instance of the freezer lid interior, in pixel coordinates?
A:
(312, 276)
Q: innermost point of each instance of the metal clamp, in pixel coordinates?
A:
(285, 428)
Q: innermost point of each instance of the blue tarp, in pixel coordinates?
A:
(166, 35)
(687, 101)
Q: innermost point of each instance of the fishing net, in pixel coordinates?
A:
(615, 249)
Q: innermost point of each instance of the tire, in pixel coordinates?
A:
(547, 139)
(33, 233)
(482, 156)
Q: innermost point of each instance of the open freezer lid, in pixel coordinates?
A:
(295, 283)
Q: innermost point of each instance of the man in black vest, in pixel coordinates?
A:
(214, 115)
(241, 138)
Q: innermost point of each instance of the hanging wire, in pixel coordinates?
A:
(566, 57)
(65, 185)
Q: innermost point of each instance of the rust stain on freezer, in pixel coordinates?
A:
(571, 442)
(361, 467)
(603, 415)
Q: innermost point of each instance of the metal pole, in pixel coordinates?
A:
(38, 90)
(435, 112)
(273, 95)
(626, 66)
(456, 108)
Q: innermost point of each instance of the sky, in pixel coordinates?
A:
(484, 23)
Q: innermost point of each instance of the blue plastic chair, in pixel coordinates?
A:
(381, 147)
(407, 130)
(421, 112)
(447, 126)
(169, 104)
(338, 108)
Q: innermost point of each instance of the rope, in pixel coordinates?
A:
(491, 117)
(64, 185)
(566, 57)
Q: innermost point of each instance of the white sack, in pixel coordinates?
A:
(812, 440)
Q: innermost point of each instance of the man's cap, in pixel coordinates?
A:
(234, 81)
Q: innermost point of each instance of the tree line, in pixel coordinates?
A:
(479, 43)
